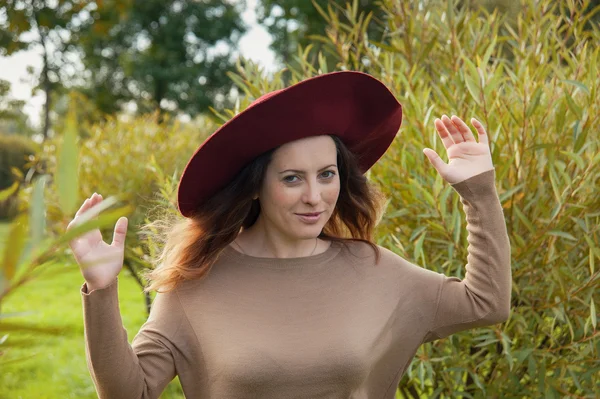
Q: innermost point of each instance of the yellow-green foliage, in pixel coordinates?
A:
(125, 159)
(16, 152)
(121, 157)
(533, 81)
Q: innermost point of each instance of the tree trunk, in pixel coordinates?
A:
(147, 300)
(160, 91)
(44, 80)
(47, 91)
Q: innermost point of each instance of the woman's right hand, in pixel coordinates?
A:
(100, 263)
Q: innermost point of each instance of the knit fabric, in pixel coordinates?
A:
(330, 325)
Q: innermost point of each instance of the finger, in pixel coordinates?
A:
(463, 128)
(95, 199)
(483, 137)
(90, 213)
(435, 160)
(454, 133)
(120, 232)
(443, 133)
(88, 203)
(83, 207)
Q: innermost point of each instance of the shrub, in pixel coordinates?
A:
(16, 153)
(121, 157)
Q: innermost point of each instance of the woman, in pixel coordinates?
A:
(273, 288)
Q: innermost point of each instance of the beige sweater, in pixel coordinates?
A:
(330, 325)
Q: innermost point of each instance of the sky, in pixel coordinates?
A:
(253, 45)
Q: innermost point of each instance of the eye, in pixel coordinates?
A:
(289, 179)
(331, 174)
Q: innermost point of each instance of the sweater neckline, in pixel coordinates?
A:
(234, 255)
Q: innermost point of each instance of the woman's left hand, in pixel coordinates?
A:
(466, 156)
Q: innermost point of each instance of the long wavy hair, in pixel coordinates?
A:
(190, 246)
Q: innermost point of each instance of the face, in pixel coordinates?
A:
(300, 188)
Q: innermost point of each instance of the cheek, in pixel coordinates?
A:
(331, 194)
(281, 197)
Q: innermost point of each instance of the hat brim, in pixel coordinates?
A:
(354, 106)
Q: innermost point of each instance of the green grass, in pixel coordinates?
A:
(54, 366)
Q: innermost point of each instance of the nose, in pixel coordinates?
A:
(312, 193)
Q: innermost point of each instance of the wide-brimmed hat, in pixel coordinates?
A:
(354, 106)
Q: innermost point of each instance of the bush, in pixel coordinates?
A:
(16, 153)
(122, 157)
(533, 81)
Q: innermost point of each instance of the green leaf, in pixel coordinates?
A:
(562, 234)
(534, 101)
(560, 117)
(576, 109)
(421, 374)
(555, 185)
(8, 192)
(577, 84)
(416, 232)
(37, 209)
(66, 176)
(593, 313)
(418, 252)
(398, 213)
(580, 137)
(472, 80)
(524, 219)
(488, 52)
(509, 193)
(15, 242)
(456, 222)
(575, 157)
(473, 89)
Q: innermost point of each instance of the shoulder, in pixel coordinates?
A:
(360, 252)
(363, 255)
(166, 312)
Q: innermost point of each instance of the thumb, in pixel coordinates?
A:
(435, 160)
(120, 232)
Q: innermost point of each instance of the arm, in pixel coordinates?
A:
(483, 296)
(120, 370)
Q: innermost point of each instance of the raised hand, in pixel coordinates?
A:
(100, 263)
(466, 156)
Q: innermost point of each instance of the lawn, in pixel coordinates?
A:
(54, 366)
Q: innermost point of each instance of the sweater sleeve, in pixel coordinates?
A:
(483, 296)
(119, 370)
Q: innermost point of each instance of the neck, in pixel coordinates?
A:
(260, 242)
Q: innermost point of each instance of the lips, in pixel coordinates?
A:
(309, 218)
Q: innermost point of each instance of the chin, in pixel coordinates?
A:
(307, 232)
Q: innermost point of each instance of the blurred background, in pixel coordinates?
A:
(114, 96)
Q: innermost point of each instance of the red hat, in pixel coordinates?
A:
(354, 106)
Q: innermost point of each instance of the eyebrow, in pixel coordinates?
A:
(302, 172)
